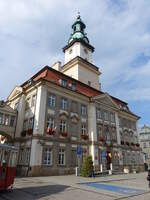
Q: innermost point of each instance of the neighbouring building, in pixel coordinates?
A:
(7, 123)
(63, 107)
(144, 138)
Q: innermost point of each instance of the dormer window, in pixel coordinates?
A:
(73, 86)
(63, 82)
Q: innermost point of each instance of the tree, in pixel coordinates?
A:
(87, 166)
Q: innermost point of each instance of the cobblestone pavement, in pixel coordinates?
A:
(72, 188)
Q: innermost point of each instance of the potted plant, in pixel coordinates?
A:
(101, 138)
(63, 134)
(85, 136)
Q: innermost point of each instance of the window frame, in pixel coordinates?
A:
(63, 126)
(62, 157)
(50, 122)
(51, 101)
(83, 129)
(83, 110)
(64, 103)
(48, 152)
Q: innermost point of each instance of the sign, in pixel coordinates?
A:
(79, 151)
(104, 154)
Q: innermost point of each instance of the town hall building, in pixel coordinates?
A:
(63, 107)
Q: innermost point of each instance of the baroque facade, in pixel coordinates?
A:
(144, 138)
(63, 107)
(7, 123)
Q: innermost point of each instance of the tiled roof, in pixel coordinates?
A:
(49, 74)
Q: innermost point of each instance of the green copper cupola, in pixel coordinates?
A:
(78, 35)
(78, 31)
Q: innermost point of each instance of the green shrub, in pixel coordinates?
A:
(87, 166)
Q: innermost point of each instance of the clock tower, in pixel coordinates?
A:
(78, 56)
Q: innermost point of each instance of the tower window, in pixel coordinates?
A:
(85, 51)
(70, 51)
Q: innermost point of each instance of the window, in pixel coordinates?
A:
(25, 125)
(21, 156)
(1, 118)
(105, 115)
(99, 130)
(33, 101)
(6, 120)
(83, 129)
(144, 145)
(70, 51)
(83, 110)
(27, 104)
(85, 51)
(64, 104)
(47, 156)
(99, 114)
(50, 123)
(12, 120)
(31, 120)
(27, 158)
(64, 82)
(73, 86)
(63, 126)
(51, 101)
(112, 117)
(61, 159)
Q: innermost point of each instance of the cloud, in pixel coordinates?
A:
(32, 34)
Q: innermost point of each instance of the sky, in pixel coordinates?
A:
(33, 33)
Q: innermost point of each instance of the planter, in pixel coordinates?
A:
(85, 136)
(101, 138)
(63, 134)
(50, 131)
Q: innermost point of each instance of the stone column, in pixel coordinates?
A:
(36, 157)
(20, 117)
(117, 128)
(40, 109)
(93, 133)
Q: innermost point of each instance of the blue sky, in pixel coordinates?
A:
(32, 34)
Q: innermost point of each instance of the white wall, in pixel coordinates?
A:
(39, 121)
(78, 50)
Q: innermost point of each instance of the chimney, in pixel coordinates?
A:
(57, 65)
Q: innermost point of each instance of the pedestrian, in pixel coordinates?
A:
(92, 173)
(148, 177)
